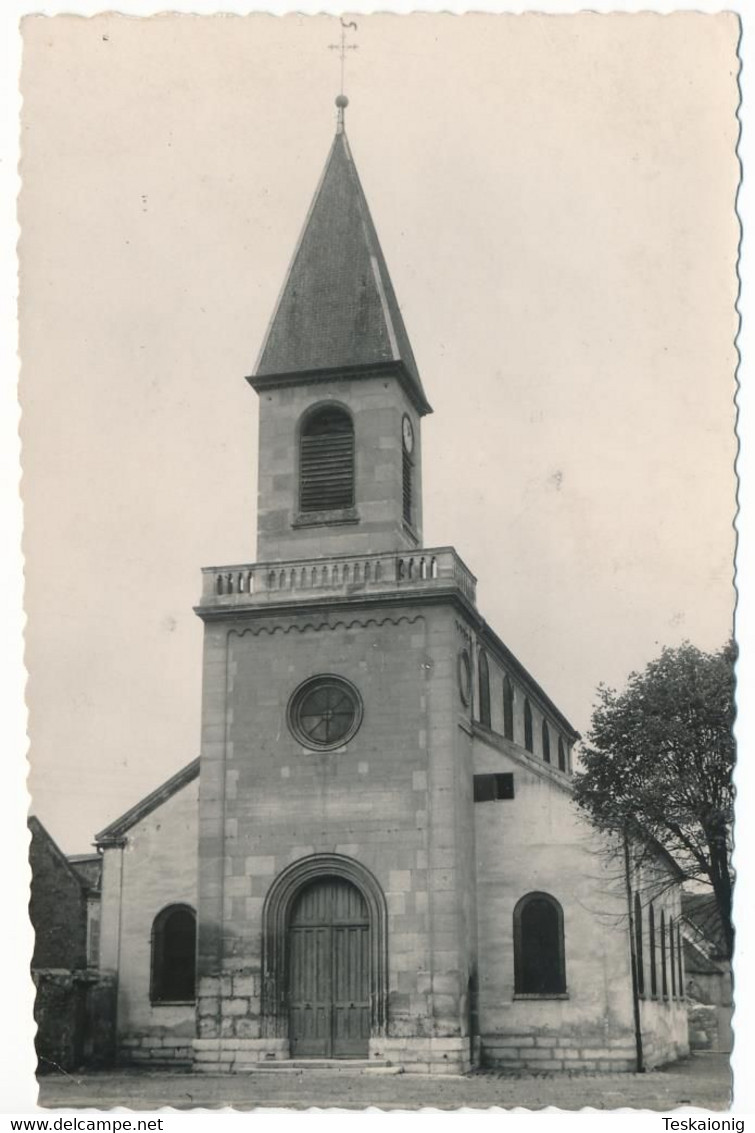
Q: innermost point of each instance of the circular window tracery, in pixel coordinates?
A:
(325, 712)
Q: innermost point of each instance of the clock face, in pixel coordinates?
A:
(407, 432)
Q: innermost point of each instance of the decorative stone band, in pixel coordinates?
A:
(264, 584)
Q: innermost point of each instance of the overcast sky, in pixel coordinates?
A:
(554, 197)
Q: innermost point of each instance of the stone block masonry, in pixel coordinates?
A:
(553, 1052)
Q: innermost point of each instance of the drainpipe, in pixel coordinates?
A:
(633, 954)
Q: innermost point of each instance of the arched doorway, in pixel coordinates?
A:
(329, 971)
(324, 937)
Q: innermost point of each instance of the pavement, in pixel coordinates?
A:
(702, 1081)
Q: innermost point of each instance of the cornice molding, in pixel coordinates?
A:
(438, 596)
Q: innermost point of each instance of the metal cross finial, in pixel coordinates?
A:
(343, 47)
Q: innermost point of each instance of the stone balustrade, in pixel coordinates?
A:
(255, 584)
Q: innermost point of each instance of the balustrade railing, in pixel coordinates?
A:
(261, 583)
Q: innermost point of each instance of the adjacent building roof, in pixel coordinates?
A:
(701, 910)
(338, 309)
(89, 868)
(697, 963)
(113, 834)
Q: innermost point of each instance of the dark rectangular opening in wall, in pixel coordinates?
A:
(407, 488)
(489, 788)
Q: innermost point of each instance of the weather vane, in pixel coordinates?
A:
(343, 47)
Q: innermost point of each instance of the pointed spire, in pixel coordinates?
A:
(338, 309)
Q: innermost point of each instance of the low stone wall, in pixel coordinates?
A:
(229, 1055)
(75, 1016)
(553, 1052)
(60, 1015)
(155, 1050)
(710, 1028)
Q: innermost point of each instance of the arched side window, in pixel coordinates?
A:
(484, 683)
(174, 955)
(680, 972)
(326, 460)
(653, 958)
(561, 754)
(546, 742)
(664, 968)
(527, 725)
(508, 709)
(672, 956)
(638, 942)
(539, 966)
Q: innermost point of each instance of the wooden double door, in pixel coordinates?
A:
(329, 971)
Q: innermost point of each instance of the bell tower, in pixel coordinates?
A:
(336, 865)
(341, 400)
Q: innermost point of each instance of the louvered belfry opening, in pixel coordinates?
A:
(326, 466)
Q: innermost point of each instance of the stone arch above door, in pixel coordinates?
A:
(276, 914)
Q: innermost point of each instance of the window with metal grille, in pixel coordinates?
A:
(174, 951)
(539, 967)
(488, 788)
(326, 461)
(407, 487)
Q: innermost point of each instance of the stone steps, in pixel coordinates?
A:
(332, 1065)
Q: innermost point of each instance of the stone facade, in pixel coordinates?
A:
(389, 802)
(377, 405)
(151, 866)
(537, 841)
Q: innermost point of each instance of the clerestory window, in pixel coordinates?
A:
(484, 688)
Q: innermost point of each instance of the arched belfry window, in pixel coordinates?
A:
(484, 681)
(528, 725)
(326, 460)
(539, 966)
(546, 742)
(561, 755)
(508, 709)
(174, 955)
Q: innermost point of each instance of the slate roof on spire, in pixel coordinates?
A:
(338, 308)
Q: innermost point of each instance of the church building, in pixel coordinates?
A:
(376, 855)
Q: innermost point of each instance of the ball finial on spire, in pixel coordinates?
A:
(341, 102)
